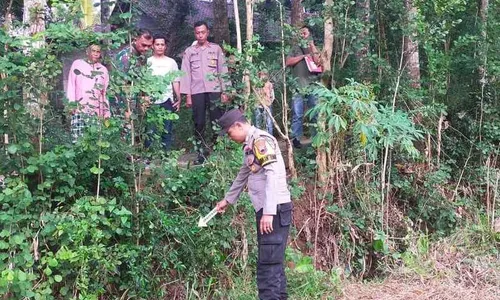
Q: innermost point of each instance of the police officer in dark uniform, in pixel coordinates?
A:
(263, 171)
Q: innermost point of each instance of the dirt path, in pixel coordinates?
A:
(433, 289)
(450, 272)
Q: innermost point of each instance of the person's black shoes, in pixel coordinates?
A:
(296, 144)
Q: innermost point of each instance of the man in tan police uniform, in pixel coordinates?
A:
(204, 66)
(263, 170)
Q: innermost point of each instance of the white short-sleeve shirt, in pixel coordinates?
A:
(161, 67)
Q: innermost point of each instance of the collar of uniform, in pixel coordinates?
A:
(207, 45)
(250, 133)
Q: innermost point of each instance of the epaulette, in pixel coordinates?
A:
(264, 150)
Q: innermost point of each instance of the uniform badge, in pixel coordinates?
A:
(264, 150)
(250, 160)
(212, 63)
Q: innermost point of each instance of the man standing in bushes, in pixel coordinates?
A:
(140, 46)
(263, 170)
(133, 57)
(204, 66)
(162, 65)
(297, 60)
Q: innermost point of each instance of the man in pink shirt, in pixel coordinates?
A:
(203, 84)
(88, 80)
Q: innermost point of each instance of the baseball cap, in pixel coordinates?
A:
(229, 118)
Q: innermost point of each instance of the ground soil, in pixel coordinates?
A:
(448, 272)
(394, 289)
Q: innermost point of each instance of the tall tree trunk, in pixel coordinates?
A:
(411, 55)
(34, 17)
(284, 102)
(238, 27)
(8, 16)
(297, 13)
(34, 12)
(249, 37)
(249, 9)
(363, 13)
(7, 26)
(221, 22)
(483, 57)
(383, 52)
(107, 7)
(326, 58)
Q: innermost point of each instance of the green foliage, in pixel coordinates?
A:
(305, 282)
(351, 109)
(74, 222)
(83, 221)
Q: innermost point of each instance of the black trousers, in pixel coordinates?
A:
(271, 279)
(201, 103)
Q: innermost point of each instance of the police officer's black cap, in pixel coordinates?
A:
(229, 118)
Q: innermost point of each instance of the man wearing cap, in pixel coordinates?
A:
(263, 170)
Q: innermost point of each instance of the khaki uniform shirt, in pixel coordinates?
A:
(203, 68)
(264, 171)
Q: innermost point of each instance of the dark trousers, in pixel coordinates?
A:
(166, 133)
(201, 103)
(271, 279)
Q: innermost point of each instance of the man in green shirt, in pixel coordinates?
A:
(296, 60)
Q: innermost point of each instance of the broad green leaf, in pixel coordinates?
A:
(104, 157)
(31, 169)
(18, 239)
(96, 170)
(103, 144)
(53, 262)
(126, 15)
(4, 245)
(64, 290)
(12, 149)
(10, 275)
(21, 276)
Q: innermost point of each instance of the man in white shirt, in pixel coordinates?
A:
(162, 65)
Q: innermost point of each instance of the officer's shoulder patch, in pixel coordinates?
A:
(264, 149)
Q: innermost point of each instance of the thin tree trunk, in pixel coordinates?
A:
(383, 52)
(411, 55)
(238, 27)
(363, 12)
(8, 16)
(34, 17)
(249, 37)
(221, 22)
(284, 103)
(297, 13)
(483, 57)
(7, 27)
(326, 58)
